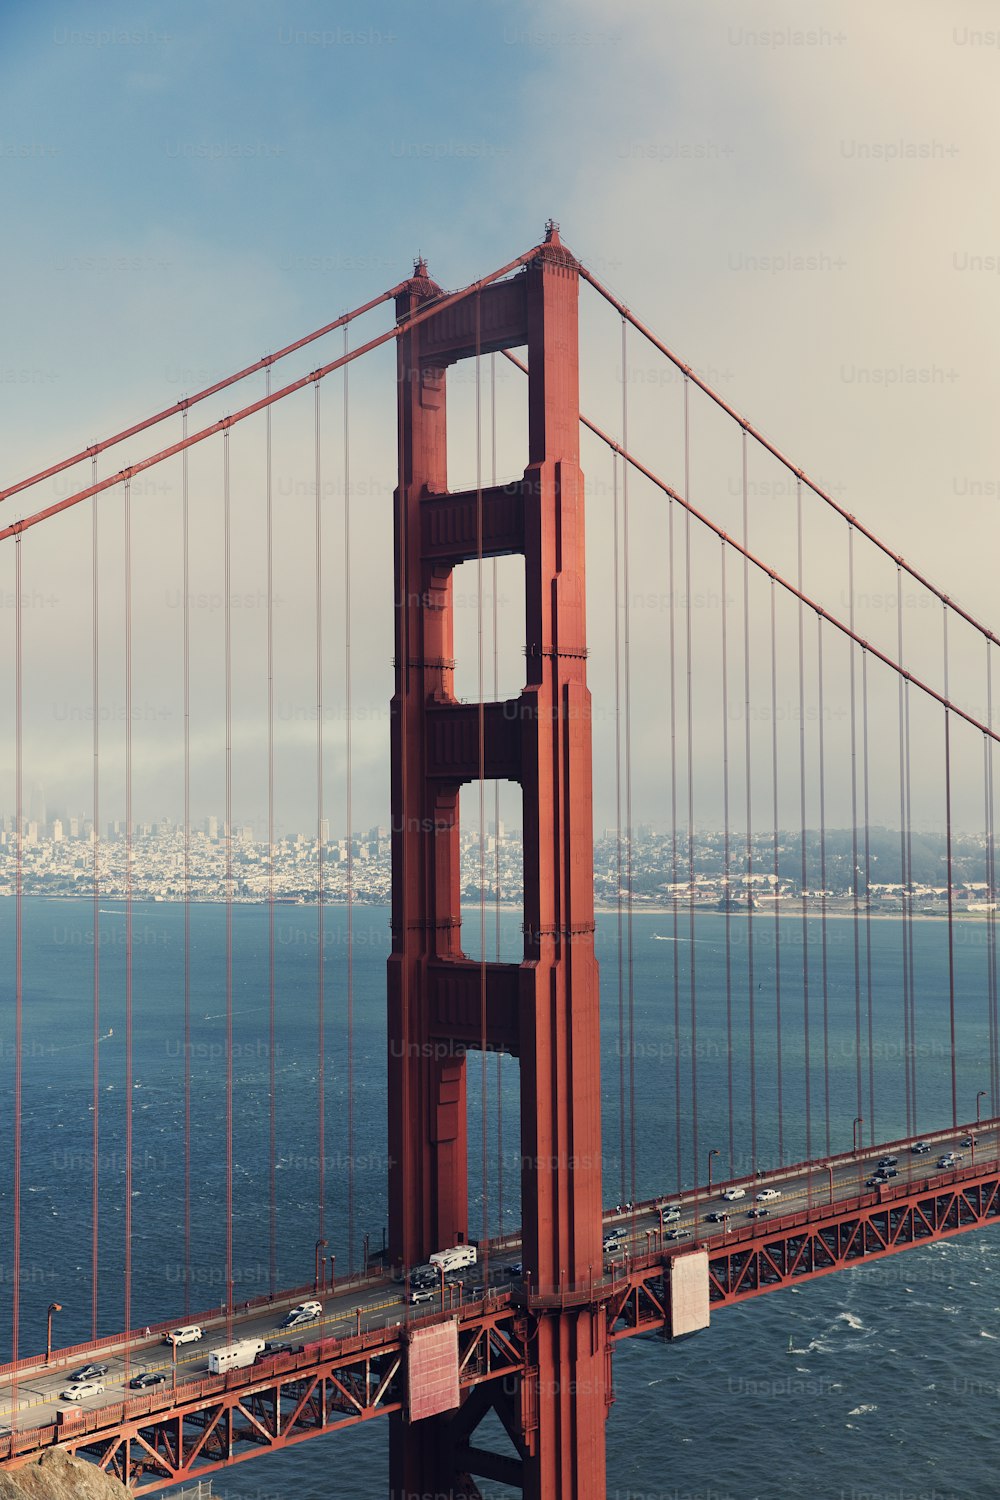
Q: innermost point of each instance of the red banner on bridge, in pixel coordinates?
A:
(432, 1371)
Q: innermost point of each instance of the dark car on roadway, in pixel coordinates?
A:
(89, 1372)
(148, 1377)
(271, 1348)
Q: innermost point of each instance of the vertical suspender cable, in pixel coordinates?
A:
(779, 1080)
(950, 873)
(400, 830)
(480, 690)
(228, 845)
(18, 965)
(95, 1137)
(991, 895)
(872, 1136)
(822, 881)
(726, 862)
(349, 810)
(690, 781)
(748, 741)
(804, 875)
(627, 661)
(909, 921)
(186, 690)
(855, 904)
(679, 1163)
(990, 975)
(496, 793)
(320, 871)
(903, 868)
(272, 1111)
(127, 496)
(618, 844)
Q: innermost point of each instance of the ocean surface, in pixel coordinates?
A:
(879, 1382)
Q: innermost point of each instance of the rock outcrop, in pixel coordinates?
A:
(58, 1476)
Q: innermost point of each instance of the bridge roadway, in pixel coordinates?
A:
(380, 1302)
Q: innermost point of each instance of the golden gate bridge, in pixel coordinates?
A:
(886, 717)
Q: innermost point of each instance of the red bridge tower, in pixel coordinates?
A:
(544, 1010)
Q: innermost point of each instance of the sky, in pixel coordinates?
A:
(801, 204)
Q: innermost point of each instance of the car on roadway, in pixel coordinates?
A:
(190, 1333)
(887, 1172)
(877, 1181)
(921, 1149)
(421, 1296)
(89, 1372)
(768, 1195)
(148, 1377)
(670, 1215)
(277, 1346)
(82, 1390)
(718, 1216)
(970, 1140)
(888, 1161)
(732, 1195)
(758, 1213)
(305, 1312)
(516, 1269)
(677, 1234)
(615, 1234)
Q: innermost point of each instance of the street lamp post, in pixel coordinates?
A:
(980, 1095)
(713, 1152)
(829, 1168)
(858, 1120)
(320, 1245)
(54, 1307)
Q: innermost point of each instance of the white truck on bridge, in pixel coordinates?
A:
(455, 1258)
(235, 1356)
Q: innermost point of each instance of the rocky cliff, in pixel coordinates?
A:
(57, 1476)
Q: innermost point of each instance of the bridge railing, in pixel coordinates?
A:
(209, 1318)
(191, 1391)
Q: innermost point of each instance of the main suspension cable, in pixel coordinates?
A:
(184, 405)
(800, 474)
(401, 328)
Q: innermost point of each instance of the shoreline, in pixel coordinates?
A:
(792, 911)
